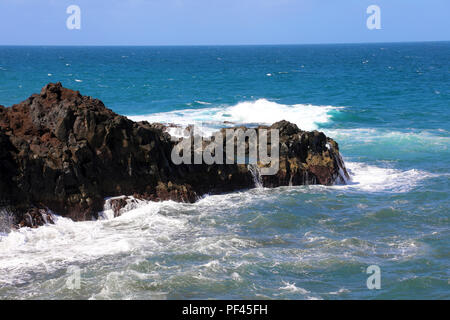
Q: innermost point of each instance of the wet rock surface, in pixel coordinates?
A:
(63, 152)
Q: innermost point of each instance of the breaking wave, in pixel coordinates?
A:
(262, 111)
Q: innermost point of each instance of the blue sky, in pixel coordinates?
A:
(209, 22)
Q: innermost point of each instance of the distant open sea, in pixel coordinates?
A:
(387, 105)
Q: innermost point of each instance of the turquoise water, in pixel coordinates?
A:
(385, 104)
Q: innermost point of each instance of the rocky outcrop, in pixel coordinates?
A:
(64, 152)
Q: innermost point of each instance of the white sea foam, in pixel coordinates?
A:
(202, 102)
(413, 138)
(371, 178)
(291, 287)
(131, 204)
(342, 290)
(148, 228)
(261, 111)
(52, 247)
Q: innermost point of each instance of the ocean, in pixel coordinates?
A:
(385, 104)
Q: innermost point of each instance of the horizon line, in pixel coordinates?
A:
(217, 45)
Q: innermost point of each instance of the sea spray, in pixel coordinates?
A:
(261, 111)
(256, 174)
(116, 206)
(6, 221)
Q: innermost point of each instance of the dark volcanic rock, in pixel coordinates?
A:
(306, 158)
(65, 152)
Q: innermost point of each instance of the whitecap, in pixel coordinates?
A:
(261, 111)
(342, 290)
(202, 102)
(236, 277)
(291, 287)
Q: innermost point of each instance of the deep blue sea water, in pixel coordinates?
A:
(387, 105)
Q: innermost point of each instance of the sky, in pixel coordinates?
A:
(221, 22)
